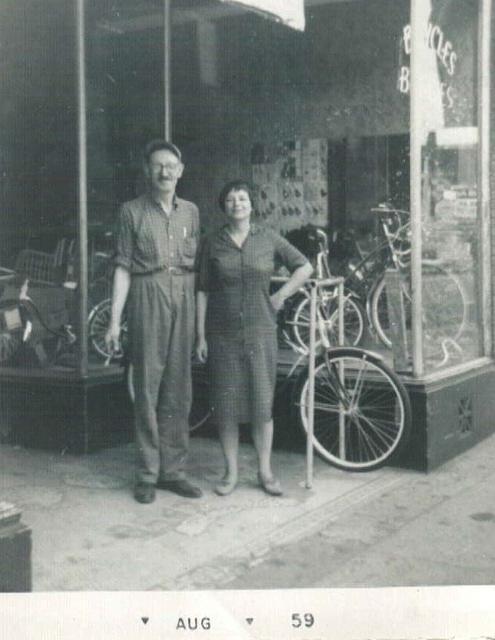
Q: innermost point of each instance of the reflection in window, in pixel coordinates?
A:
(450, 183)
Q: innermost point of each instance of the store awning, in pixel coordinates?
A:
(289, 12)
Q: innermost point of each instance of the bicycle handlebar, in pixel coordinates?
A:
(319, 282)
(383, 209)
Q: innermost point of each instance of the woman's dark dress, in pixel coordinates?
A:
(241, 328)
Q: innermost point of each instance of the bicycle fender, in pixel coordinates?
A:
(357, 351)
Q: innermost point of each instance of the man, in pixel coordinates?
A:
(154, 274)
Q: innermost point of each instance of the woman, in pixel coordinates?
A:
(237, 331)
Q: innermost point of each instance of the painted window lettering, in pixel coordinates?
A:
(444, 50)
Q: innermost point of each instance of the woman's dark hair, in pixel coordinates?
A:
(235, 185)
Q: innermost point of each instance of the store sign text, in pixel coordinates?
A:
(445, 53)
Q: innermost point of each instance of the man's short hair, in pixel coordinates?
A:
(235, 185)
(160, 144)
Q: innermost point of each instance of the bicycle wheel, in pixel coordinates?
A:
(98, 321)
(379, 312)
(362, 414)
(329, 313)
(444, 308)
(200, 408)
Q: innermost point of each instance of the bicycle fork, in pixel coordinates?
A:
(349, 400)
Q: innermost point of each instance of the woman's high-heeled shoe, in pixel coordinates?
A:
(271, 486)
(225, 487)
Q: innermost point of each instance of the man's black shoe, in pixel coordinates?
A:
(144, 492)
(181, 487)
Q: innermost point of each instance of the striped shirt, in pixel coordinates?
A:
(150, 240)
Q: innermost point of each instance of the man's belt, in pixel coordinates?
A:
(175, 271)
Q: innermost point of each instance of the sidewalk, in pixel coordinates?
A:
(434, 529)
(89, 533)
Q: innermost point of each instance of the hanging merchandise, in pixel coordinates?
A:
(291, 180)
(315, 174)
(268, 204)
(292, 208)
(290, 186)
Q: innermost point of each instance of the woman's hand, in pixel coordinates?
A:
(277, 300)
(112, 338)
(201, 349)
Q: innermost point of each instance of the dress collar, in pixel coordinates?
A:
(254, 229)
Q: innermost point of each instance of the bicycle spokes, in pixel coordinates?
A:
(361, 410)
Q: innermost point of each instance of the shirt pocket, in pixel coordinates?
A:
(190, 247)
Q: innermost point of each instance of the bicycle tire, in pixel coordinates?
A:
(375, 430)
(438, 285)
(379, 312)
(98, 322)
(200, 410)
(353, 321)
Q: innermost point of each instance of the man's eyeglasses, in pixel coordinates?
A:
(168, 166)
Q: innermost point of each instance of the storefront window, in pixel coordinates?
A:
(125, 98)
(125, 108)
(123, 54)
(38, 190)
(448, 126)
(323, 132)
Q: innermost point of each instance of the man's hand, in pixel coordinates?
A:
(201, 350)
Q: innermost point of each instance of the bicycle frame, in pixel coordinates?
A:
(397, 256)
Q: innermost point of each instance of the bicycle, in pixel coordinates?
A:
(295, 318)
(438, 286)
(23, 323)
(362, 411)
(366, 280)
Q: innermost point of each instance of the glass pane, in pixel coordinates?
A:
(449, 175)
(38, 183)
(322, 132)
(125, 108)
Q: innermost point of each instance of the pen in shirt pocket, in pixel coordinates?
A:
(185, 232)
